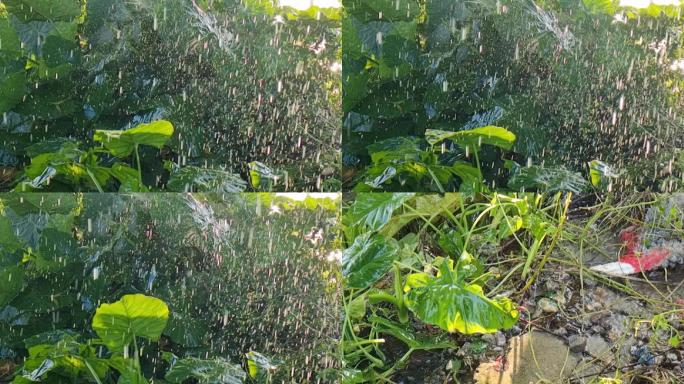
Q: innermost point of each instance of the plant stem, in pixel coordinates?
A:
(137, 158)
(92, 177)
(92, 371)
(399, 295)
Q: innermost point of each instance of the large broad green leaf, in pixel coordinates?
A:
(196, 179)
(368, 259)
(374, 210)
(53, 10)
(122, 143)
(12, 89)
(9, 41)
(215, 371)
(117, 324)
(11, 283)
(455, 306)
(546, 179)
(497, 136)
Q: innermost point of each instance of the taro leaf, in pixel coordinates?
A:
(8, 241)
(128, 177)
(374, 210)
(11, 283)
(196, 179)
(35, 34)
(427, 206)
(122, 143)
(68, 358)
(260, 366)
(52, 203)
(117, 324)
(129, 373)
(601, 173)
(49, 337)
(12, 89)
(396, 149)
(356, 309)
(368, 259)
(183, 331)
(407, 335)
(44, 9)
(497, 136)
(262, 176)
(453, 305)
(378, 182)
(215, 371)
(10, 45)
(546, 179)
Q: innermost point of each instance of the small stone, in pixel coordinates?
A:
(328, 171)
(577, 343)
(547, 305)
(672, 357)
(500, 339)
(598, 348)
(489, 338)
(617, 325)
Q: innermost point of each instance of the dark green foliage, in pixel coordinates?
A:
(547, 71)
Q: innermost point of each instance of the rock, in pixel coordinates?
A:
(328, 171)
(531, 358)
(500, 339)
(489, 338)
(576, 343)
(598, 348)
(616, 325)
(672, 357)
(547, 305)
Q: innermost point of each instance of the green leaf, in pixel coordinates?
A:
(452, 305)
(374, 210)
(53, 10)
(601, 173)
(215, 371)
(128, 177)
(261, 367)
(196, 179)
(408, 336)
(12, 89)
(129, 373)
(546, 179)
(11, 283)
(368, 259)
(357, 308)
(497, 136)
(122, 143)
(263, 177)
(117, 324)
(9, 41)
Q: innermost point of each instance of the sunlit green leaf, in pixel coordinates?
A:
(474, 138)
(118, 323)
(456, 306)
(123, 143)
